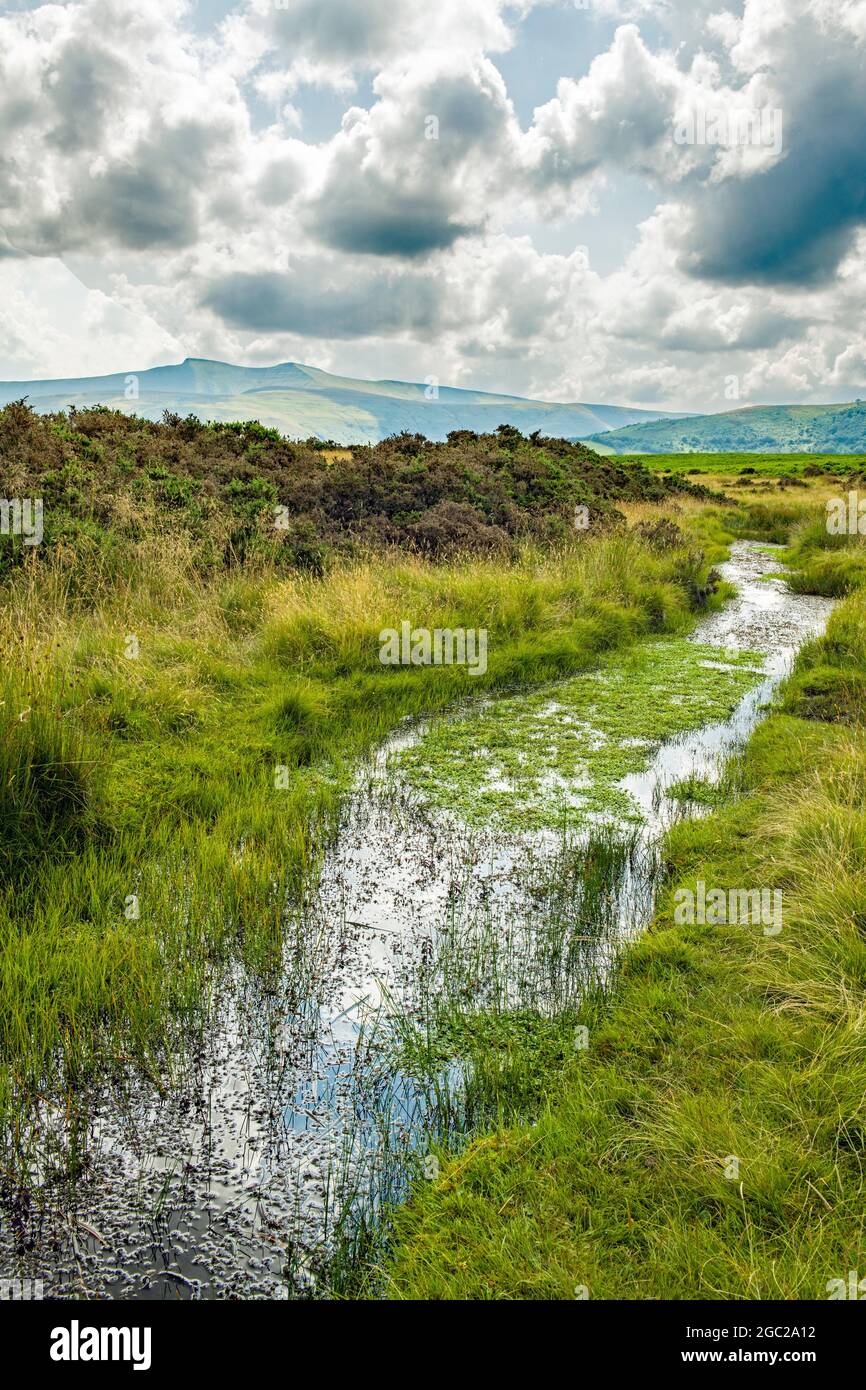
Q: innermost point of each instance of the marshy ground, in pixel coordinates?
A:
(432, 919)
(412, 970)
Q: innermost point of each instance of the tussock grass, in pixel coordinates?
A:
(823, 562)
(49, 775)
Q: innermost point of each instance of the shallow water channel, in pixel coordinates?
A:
(306, 1105)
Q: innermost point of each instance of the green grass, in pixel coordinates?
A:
(710, 1142)
(557, 757)
(148, 841)
(199, 770)
(763, 465)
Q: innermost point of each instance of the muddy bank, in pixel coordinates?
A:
(297, 1107)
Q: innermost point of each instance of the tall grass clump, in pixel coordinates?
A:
(822, 561)
(50, 775)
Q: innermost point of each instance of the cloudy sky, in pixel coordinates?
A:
(647, 202)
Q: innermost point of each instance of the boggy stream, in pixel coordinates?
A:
(306, 1105)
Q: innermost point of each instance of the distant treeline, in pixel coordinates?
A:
(241, 492)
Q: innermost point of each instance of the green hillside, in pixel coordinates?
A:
(825, 429)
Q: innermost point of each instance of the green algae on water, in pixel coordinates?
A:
(555, 757)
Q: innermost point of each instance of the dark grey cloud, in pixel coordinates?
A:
(149, 200)
(395, 224)
(310, 300)
(470, 112)
(141, 206)
(120, 135)
(761, 329)
(81, 89)
(772, 221)
(792, 224)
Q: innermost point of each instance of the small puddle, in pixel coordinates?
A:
(300, 1112)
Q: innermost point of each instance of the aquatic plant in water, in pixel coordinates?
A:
(555, 758)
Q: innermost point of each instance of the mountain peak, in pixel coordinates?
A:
(301, 401)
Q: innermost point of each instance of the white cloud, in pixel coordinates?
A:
(331, 43)
(53, 326)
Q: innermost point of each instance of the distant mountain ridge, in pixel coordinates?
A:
(302, 401)
(820, 429)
